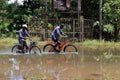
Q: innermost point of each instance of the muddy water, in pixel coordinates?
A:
(87, 65)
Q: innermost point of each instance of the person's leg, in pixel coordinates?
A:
(26, 46)
(21, 43)
(56, 43)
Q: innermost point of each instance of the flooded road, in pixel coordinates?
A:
(87, 65)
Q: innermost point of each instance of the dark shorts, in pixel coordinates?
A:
(55, 39)
(22, 41)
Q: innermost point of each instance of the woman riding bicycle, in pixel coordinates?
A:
(56, 34)
(22, 36)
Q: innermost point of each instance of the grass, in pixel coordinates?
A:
(7, 42)
(96, 44)
(92, 44)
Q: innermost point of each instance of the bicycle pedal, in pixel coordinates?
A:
(18, 51)
(57, 51)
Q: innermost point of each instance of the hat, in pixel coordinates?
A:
(24, 25)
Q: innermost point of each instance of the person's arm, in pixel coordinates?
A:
(20, 34)
(61, 33)
(28, 35)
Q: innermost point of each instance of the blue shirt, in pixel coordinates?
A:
(22, 33)
(57, 32)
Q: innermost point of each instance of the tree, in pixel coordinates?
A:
(90, 9)
(111, 15)
(3, 19)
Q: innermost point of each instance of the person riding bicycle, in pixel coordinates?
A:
(22, 36)
(56, 34)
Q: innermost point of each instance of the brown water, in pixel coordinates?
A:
(94, 65)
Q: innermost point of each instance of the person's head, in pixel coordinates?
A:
(24, 26)
(61, 26)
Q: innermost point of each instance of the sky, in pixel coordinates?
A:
(12, 1)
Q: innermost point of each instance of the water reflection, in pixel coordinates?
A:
(86, 66)
(14, 69)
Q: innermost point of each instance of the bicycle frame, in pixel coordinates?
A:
(62, 44)
(29, 46)
(32, 43)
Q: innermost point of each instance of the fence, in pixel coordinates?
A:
(74, 28)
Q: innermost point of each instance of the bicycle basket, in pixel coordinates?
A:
(34, 43)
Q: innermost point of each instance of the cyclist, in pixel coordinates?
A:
(22, 37)
(56, 34)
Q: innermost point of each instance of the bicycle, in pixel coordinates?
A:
(65, 47)
(32, 48)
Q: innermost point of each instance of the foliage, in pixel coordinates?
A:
(96, 23)
(3, 5)
(111, 15)
(90, 9)
(108, 28)
(13, 15)
(111, 10)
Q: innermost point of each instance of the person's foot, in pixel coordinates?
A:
(27, 53)
(23, 51)
(58, 51)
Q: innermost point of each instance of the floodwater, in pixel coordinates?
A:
(87, 65)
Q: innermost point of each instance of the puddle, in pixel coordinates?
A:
(84, 66)
(96, 75)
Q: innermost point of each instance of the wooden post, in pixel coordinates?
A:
(82, 26)
(46, 19)
(79, 14)
(79, 9)
(73, 28)
(100, 19)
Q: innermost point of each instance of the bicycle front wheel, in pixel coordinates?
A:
(35, 50)
(70, 54)
(70, 48)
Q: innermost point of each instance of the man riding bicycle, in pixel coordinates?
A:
(56, 34)
(22, 37)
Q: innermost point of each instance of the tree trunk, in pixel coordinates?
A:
(116, 32)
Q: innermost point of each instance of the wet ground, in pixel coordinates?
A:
(87, 65)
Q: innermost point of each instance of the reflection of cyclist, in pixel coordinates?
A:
(23, 35)
(57, 33)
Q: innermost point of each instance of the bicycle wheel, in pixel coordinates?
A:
(48, 48)
(70, 52)
(35, 50)
(15, 49)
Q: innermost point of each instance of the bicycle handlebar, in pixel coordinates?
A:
(31, 40)
(64, 38)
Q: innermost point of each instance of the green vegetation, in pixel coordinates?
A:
(111, 15)
(32, 12)
(98, 45)
(87, 44)
(7, 42)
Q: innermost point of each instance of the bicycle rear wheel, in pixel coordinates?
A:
(35, 50)
(70, 54)
(15, 49)
(48, 48)
(51, 53)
